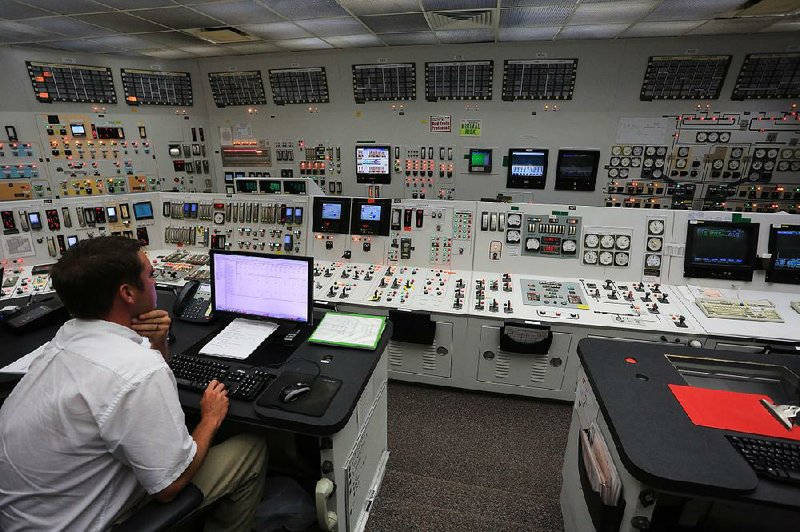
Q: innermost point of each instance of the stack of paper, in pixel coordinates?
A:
(349, 330)
(603, 475)
(239, 339)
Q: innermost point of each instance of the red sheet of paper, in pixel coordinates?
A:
(740, 412)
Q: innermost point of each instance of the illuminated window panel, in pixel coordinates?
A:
(539, 79)
(458, 80)
(768, 77)
(377, 83)
(155, 87)
(299, 85)
(237, 88)
(687, 77)
(53, 82)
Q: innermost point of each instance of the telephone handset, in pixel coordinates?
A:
(193, 303)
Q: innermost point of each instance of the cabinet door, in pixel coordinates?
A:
(534, 371)
(434, 360)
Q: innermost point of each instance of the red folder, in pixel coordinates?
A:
(740, 412)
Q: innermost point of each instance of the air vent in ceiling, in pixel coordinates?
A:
(221, 35)
(460, 20)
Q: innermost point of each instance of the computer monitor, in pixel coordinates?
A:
(373, 164)
(784, 248)
(527, 168)
(577, 169)
(271, 287)
(720, 250)
(143, 210)
(480, 161)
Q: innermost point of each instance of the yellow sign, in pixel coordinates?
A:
(470, 128)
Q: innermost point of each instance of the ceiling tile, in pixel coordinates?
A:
(67, 26)
(123, 42)
(371, 7)
(69, 7)
(254, 48)
(462, 36)
(397, 23)
(170, 39)
(784, 25)
(275, 30)
(78, 45)
(661, 29)
(534, 16)
(178, 17)
(409, 39)
(355, 41)
(239, 12)
(303, 44)
(693, 10)
(610, 12)
(17, 32)
(442, 5)
(14, 11)
(167, 53)
(543, 33)
(592, 31)
(739, 25)
(298, 10)
(121, 22)
(331, 27)
(208, 50)
(136, 4)
(541, 3)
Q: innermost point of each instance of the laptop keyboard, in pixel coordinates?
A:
(244, 383)
(776, 460)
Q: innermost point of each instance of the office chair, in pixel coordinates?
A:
(156, 516)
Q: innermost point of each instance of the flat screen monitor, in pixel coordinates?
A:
(784, 249)
(331, 211)
(720, 250)
(370, 213)
(373, 164)
(331, 215)
(77, 130)
(527, 168)
(577, 169)
(371, 216)
(480, 161)
(143, 210)
(272, 287)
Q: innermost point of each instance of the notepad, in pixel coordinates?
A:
(239, 339)
(349, 330)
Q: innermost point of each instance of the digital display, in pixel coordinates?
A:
(725, 250)
(372, 164)
(77, 130)
(784, 248)
(718, 246)
(175, 151)
(577, 169)
(111, 212)
(331, 211)
(527, 168)
(370, 213)
(33, 218)
(143, 210)
(480, 161)
(71, 241)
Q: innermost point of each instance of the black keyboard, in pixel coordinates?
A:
(195, 373)
(776, 460)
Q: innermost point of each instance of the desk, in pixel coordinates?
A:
(672, 471)
(350, 436)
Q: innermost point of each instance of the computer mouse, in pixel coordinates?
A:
(293, 392)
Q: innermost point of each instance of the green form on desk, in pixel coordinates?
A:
(349, 330)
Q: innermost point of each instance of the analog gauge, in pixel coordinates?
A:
(624, 172)
(757, 165)
(661, 151)
(219, 218)
(623, 242)
(657, 174)
(772, 153)
(627, 150)
(653, 261)
(625, 161)
(754, 176)
(512, 236)
(613, 172)
(655, 227)
(591, 241)
(615, 161)
(590, 256)
(797, 154)
(532, 244)
(621, 259)
(736, 152)
(769, 165)
(760, 153)
(606, 258)
(616, 150)
(733, 165)
(636, 162)
(648, 163)
(607, 241)
(724, 137)
(659, 163)
(783, 166)
(637, 151)
(702, 136)
(650, 150)
(713, 136)
(796, 166)
(569, 246)
(681, 163)
(654, 244)
(787, 153)
(514, 220)
(717, 164)
(683, 152)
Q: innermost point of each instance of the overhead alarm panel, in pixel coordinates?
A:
(237, 88)
(157, 87)
(54, 82)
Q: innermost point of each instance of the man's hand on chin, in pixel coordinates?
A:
(155, 326)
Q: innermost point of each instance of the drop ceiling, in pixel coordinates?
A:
(168, 29)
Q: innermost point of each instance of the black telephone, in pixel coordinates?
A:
(193, 303)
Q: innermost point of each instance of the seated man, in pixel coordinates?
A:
(96, 422)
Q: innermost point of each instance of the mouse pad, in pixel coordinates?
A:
(314, 403)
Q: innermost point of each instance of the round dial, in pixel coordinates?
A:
(627, 150)
(591, 241)
(736, 152)
(760, 153)
(653, 261)
(772, 153)
(733, 165)
(654, 244)
(219, 218)
(532, 244)
(754, 176)
(590, 256)
(787, 153)
(683, 152)
(797, 154)
(769, 165)
(616, 150)
(512, 236)
(659, 163)
(680, 163)
(796, 166)
(636, 162)
(613, 172)
(615, 161)
(783, 166)
(648, 163)
(621, 259)
(718, 164)
(702, 136)
(713, 136)
(607, 241)
(757, 165)
(724, 137)
(514, 220)
(655, 227)
(606, 258)
(625, 161)
(624, 172)
(623, 242)
(657, 173)
(661, 151)
(637, 151)
(569, 246)
(650, 150)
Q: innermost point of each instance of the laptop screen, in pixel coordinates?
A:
(262, 286)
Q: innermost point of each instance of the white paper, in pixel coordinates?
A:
(347, 329)
(239, 339)
(632, 130)
(21, 365)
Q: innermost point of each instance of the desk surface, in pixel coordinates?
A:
(657, 442)
(353, 367)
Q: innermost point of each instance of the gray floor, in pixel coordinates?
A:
(471, 462)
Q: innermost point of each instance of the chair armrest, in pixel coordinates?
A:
(156, 516)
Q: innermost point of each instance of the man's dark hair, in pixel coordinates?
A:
(89, 274)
